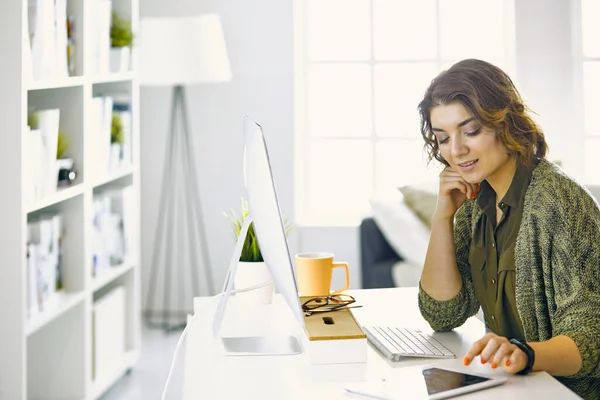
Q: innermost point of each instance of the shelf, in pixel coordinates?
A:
(55, 353)
(59, 196)
(124, 76)
(110, 274)
(114, 175)
(64, 303)
(103, 383)
(57, 84)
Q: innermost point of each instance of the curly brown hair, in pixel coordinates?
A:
(491, 97)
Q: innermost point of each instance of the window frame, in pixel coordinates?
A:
(303, 139)
(579, 59)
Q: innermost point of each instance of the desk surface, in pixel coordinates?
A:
(209, 374)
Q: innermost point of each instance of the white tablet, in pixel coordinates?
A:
(431, 383)
(443, 383)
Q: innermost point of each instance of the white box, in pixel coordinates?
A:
(334, 338)
(338, 351)
(108, 332)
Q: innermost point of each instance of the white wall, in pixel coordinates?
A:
(259, 35)
(545, 74)
(259, 39)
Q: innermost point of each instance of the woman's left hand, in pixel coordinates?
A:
(498, 352)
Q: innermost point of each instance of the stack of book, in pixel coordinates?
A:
(110, 155)
(49, 42)
(112, 229)
(43, 263)
(100, 136)
(100, 34)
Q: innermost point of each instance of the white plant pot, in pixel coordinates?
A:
(250, 274)
(119, 59)
(115, 156)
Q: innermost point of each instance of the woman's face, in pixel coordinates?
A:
(473, 150)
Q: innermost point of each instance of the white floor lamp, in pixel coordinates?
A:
(179, 52)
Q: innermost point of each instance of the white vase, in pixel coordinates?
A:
(250, 274)
(119, 59)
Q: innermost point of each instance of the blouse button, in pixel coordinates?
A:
(493, 281)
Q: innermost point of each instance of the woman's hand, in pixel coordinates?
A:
(498, 352)
(453, 192)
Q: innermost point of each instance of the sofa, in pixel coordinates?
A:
(394, 238)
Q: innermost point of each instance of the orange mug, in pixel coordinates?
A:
(314, 271)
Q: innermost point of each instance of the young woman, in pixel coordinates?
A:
(511, 233)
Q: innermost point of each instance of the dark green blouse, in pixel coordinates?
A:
(492, 255)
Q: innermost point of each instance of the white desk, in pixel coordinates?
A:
(211, 375)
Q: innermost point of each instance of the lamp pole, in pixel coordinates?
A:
(180, 143)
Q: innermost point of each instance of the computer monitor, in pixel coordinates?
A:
(270, 232)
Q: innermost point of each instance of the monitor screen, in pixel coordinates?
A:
(266, 214)
(269, 229)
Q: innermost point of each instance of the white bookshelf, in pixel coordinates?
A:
(50, 355)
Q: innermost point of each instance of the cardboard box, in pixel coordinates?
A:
(108, 332)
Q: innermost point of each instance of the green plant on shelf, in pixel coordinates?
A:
(251, 249)
(121, 34)
(117, 133)
(63, 144)
(32, 120)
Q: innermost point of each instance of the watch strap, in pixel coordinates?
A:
(529, 352)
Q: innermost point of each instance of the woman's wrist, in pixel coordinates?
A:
(559, 356)
(442, 219)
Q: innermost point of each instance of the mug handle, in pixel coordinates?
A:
(342, 264)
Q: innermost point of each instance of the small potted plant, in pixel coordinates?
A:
(252, 269)
(121, 40)
(117, 139)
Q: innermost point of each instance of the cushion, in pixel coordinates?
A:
(422, 200)
(403, 230)
(405, 274)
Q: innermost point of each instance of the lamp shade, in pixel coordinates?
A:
(183, 51)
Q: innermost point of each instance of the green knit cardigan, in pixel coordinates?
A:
(557, 261)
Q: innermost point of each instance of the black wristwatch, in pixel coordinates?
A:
(529, 352)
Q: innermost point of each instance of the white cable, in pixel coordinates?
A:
(184, 333)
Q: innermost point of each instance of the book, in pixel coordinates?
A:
(60, 30)
(44, 235)
(49, 125)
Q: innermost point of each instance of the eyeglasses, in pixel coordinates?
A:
(328, 304)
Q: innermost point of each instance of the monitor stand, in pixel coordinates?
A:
(248, 345)
(261, 345)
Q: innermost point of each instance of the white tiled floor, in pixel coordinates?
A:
(147, 379)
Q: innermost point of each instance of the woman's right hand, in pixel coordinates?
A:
(453, 192)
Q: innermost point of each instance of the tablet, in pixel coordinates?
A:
(443, 383)
(431, 383)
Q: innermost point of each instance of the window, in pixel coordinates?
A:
(590, 44)
(362, 68)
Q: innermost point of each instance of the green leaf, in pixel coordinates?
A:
(121, 34)
(63, 144)
(250, 248)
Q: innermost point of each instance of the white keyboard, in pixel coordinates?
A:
(396, 342)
